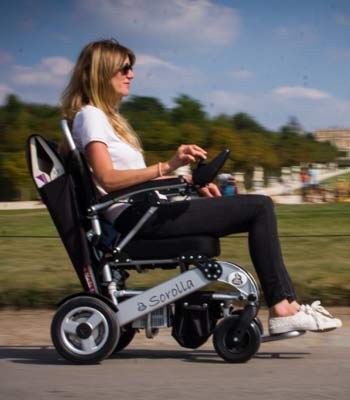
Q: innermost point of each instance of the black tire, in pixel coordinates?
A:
(85, 330)
(260, 325)
(228, 349)
(256, 319)
(127, 334)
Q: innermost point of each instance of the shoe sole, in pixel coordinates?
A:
(324, 330)
(309, 330)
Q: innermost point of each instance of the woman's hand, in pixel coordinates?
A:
(210, 190)
(185, 154)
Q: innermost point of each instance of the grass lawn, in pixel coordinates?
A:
(314, 237)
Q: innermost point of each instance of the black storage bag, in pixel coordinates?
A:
(59, 196)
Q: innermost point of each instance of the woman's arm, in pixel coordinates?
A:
(111, 179)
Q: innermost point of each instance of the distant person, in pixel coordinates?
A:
(222, 181)
(313, 176)
(314, 184)
(304, 178)
(227, 185)
(100, 80)
(231, 188)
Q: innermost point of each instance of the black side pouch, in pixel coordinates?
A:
(194, 321)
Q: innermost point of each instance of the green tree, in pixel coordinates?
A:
(13, 123)
(244, 122)
(221, 138)
(191, 134)
(159, 135)
(188, 110)
(293, 126)
(161, 131)
(15, 168)
(142, 111)
(222, 120)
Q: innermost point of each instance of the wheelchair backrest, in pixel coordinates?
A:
(66, 188)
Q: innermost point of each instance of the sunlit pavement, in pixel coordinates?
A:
(314, 366)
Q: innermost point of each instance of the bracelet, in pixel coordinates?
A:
(160, 169)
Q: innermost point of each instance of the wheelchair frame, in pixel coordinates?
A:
(89, 326)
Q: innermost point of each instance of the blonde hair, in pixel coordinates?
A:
(90, 83)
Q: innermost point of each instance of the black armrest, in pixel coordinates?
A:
(162, 185)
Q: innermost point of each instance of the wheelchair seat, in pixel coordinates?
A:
(172, 247)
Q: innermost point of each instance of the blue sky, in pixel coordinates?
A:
(272, 59)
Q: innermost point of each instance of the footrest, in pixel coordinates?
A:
(282, 336)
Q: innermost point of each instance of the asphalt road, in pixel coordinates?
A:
(314, 366)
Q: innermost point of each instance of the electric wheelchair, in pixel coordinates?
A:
(103, 319)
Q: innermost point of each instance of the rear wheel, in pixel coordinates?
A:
(85, 330)
(127, 334)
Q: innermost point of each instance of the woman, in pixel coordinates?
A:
(100, 79)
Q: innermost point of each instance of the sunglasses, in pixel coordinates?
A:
(125, 69)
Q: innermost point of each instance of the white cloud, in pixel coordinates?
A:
(340, 54)
(296, 34)
(270, 111)
(301, 92)
(242, 74)
(5, 57)
(188, 23)
(147, 61)
(26, 23)
(156, 75)
(50, 71)
(228, 102)
(342, 19)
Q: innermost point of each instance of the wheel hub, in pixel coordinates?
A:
(84, 330)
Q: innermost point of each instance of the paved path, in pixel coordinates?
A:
(21, 205)
(280, 189)
(314, 366)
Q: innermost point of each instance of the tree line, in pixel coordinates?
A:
(161, 130)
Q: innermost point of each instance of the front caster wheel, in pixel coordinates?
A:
(85, 330)
(227, 346)
(257, 320)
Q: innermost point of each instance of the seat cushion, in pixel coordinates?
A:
(145, 249)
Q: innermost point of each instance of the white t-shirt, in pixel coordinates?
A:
(91, 125)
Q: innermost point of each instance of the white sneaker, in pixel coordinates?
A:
(309, 318)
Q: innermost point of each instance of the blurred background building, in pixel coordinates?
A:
(340, 138)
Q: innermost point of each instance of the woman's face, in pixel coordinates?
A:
(121, 80)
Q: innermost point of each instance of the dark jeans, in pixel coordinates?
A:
(221, 216)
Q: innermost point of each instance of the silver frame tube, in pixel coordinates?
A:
(136, 228)
(67, 134)
(184, 284)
